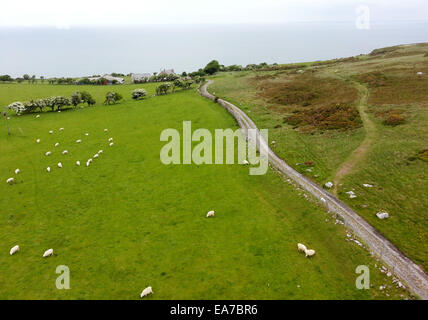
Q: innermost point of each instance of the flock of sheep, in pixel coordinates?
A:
(147, 291)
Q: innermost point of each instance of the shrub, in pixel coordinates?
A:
(18, 107)
(61, 101)
(394, 120)
(87, 98)
(163, 89)
(139, 94)
(76, 98)
(112, 98)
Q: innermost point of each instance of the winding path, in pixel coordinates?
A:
(398, 263)
(359, 153)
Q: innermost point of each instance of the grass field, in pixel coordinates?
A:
(128, 221)
(390, 159)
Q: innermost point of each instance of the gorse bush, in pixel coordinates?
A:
(394, 120)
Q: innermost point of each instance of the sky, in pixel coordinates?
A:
(78, 13)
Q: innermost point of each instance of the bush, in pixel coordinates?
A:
(139, 94)
(76, 98)
(112, 98)
(394, 120)
(163, 89)
(87, 98)
(423, 155)
(18, 107)
(61, 101)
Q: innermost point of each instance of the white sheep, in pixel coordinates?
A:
(88, 163)
(110, 139)
(38, 141)
(96, 156)
(210, 214)
(301, 247)
(146, 292)
(61, 129)
(48, 153)
(78, 141)
(38, 116)
(245, 162)
(50, 132)
(101, 151)
(310, 253)
(14, 250)
(111, 144)
(48, 253)
(105, 130)
(77, 163)
(17, 171)
(65, 152)
(86, 134)
(57, 144)
(48, 169)
(10, 181)
(90, 160)
(59, 165)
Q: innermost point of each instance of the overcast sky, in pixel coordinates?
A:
(62, 13)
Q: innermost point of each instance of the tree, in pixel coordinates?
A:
(87, 98)
(62, 102)
(26, 77)
(212, 67)
(112, 98)
(18, 107)
(139, 94)
(42, 79)
(5, 78)
(33, 78)
(163, 89)
(76, 98)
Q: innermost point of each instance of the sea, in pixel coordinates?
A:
(80, 51)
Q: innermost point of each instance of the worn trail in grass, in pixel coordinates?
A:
(370, 133)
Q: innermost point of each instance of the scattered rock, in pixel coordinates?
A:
(329, 185)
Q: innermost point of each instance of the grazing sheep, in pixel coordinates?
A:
(245, 162)
(420, 73)
(48, 253)
(301, 247)
(323, 200)
(77, 163)
(17, 171)
(210, 214)
(38, 116)
(101, 151)
(78, 141)
(65, 152)
(61, 129)
(329, 185)
(14, 250)
(48, 153)
(105, 130)
(57, 144)
(86, 134)
(88, 163)
(309, 253)
(10, 181)
(59, 165)
(382, 215)
(110, 139)
(96, 156)
(146, 292)
(48, 169)
(111, 144)
(90, 160)
(50, 132)
(38, 141)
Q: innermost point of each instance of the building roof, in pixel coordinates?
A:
(139, 76)
(167, 72)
